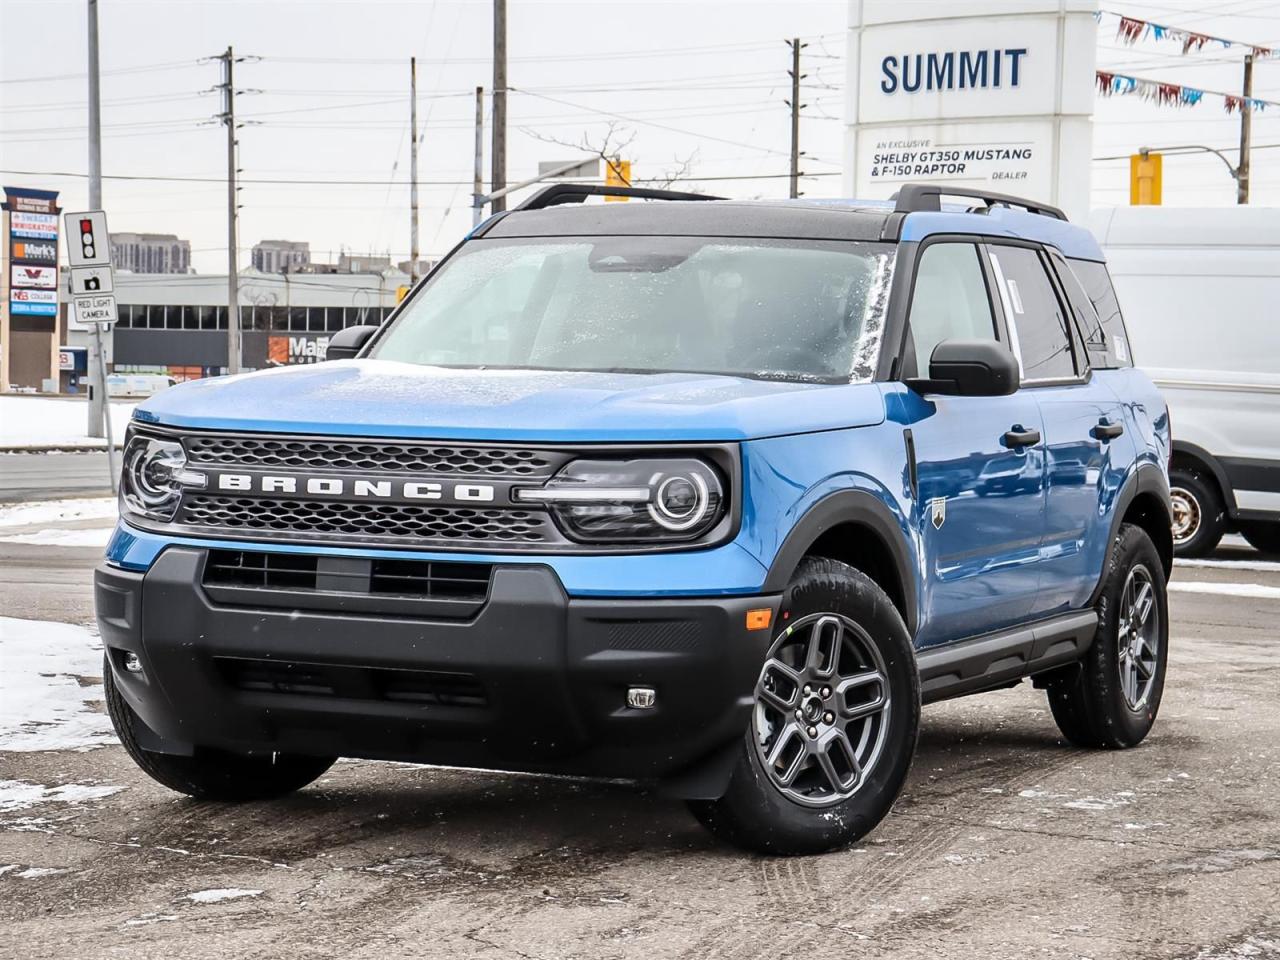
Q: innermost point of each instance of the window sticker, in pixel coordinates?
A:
(1014, 295)
(1121, 349)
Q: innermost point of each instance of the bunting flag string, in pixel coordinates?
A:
(1132, 29)
(1166, 94)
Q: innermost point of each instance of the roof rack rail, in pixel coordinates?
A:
(559, 193)
(920, 197)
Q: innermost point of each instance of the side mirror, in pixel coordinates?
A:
(349, 341)
(970, 368)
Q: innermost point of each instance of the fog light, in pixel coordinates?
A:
(642, 698)
(132, 663)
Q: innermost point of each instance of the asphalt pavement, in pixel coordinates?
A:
(49, 476)
(1005, 844)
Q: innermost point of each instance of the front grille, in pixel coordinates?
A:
(367, 455)
(425, 687)
(275, 571)
(427, 579)
(365, 520)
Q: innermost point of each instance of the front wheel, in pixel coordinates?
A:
(835, 721)
(210, 774)
(1112, 700)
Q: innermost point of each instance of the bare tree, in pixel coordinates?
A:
(610, 149)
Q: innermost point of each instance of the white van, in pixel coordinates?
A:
(1200, 294)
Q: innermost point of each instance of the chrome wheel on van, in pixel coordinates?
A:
(822, 709)
(1186, 515)
(1138, 637)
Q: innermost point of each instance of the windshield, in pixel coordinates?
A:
(774, 309)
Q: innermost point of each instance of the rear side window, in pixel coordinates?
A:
(1106, 340)
(949, 300)
(1038, 324)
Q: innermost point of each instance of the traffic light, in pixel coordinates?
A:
(617, 173)
(1145, 170)
(88, 246)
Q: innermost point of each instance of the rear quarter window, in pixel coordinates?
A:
(1103, 327)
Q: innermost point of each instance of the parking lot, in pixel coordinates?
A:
(1006, 843)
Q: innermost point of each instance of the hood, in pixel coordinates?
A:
(376, 398)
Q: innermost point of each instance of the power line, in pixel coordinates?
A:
(171, 65)
(363, 183)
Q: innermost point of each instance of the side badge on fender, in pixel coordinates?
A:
(938, 511)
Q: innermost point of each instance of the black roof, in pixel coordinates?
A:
(798, 220)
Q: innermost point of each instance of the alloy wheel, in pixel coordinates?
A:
(1138, 637)
(822, 709)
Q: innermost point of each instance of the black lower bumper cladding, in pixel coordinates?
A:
(527, 680)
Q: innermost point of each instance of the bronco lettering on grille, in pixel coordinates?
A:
(358, 489)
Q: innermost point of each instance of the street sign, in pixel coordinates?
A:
(87, 281)
(88, 244)
(94, 310)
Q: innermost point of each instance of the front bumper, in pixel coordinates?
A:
(532, 681)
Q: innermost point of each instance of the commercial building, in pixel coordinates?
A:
(993, 95)
(178, 325)
(150, 253)
(29, 313)
(280, 256)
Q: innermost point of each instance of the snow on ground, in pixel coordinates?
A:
(57, 511)
(1253, 591)
(53, 421)
(89, 537)
(220, 894)
(22, 794)
(89, 522)
(49, 679)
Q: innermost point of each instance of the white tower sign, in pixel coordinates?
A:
(987, 95)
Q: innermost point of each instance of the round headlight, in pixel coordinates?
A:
(681, 501)
(149, 478)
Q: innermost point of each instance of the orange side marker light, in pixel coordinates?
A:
(759, 619)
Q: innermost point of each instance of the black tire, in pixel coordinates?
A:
(1263, 536)
(1089, 704)
(756, 814)
(212, 774)
(1196, 497)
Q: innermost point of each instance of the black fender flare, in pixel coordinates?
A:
(1146, 478)
(1215, 468)
(847, 506)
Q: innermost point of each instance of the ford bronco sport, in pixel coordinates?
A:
(702, 493)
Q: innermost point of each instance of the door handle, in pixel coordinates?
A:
(1105, 430)
(1019, 436)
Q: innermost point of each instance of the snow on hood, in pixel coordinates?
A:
(382, 398)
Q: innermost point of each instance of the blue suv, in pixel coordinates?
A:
(703, 493)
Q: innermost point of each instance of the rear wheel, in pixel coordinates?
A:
(212, 774)
(1112, 700)
(1199, 515)
(835, 721)
(1262, 535)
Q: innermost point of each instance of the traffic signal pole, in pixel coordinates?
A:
(99, 411)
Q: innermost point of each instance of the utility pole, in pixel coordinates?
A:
(413, 170)
(233, 280)
(1246, 132)
(477, 188)
(796, 106)
(498, 178)
(98, 409)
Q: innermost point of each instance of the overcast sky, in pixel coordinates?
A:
(690, 84)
